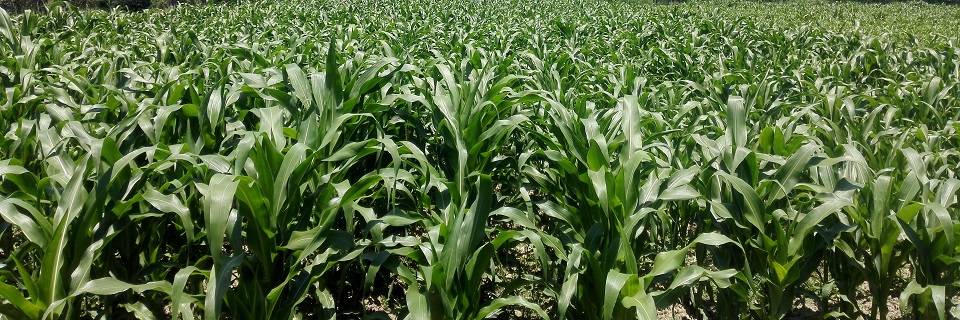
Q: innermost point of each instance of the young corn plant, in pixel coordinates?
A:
(780, 213)
(930, 228)
(474, 111)
(604, 186)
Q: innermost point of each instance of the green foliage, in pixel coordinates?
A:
(19, 6)
(447, 159)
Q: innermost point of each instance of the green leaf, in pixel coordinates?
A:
(667, 261)
(30, 229)
(499, 303)
(219, 282)
(301, 85)
(938, 294)
(913, 288)
(557, 211)
(571, 277)
(910, 211)
(680, 193)
(171, 204)
(294, 158)
(715, 239)
(271, 124)
(781, 271)
(631, 123)
(139, 310)
(8, 169)
(468, 229)
(417, 304)
(7, 27)
(943, 219)
(614, 283)
(52, 273)
(16, 298)
(687, 276)
(736, 121)
(359, 188)
(180, 302)
(332, 71)
(813, 218)
(217, 203)
(788, 174)
(754, 210)
(681, 178)
(397, 218)
(112, 286)
(646, 308)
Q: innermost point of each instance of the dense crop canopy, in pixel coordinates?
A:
(461, 159)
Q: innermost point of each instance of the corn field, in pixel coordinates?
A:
(467, 159)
